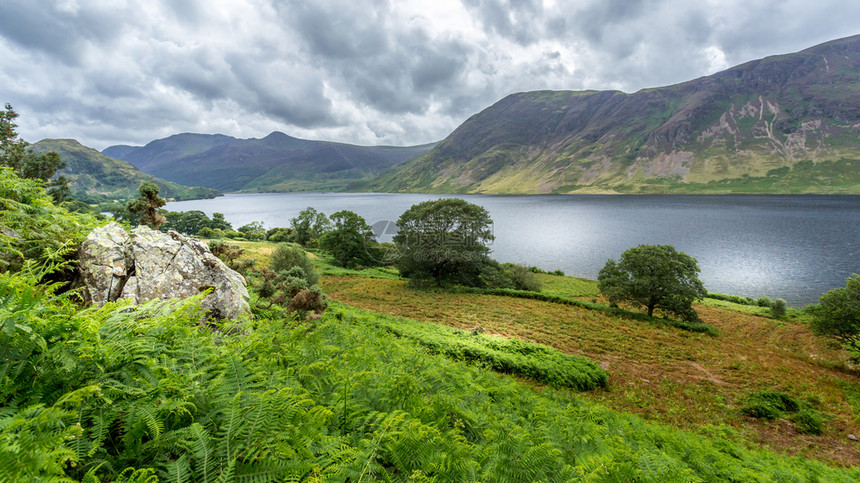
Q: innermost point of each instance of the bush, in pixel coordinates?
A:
(764, 301)
(286, 257)
(522, 278)
(778, 308)
(769, 404)
(808, 421)
(279, 234)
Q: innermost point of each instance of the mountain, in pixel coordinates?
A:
(96, 177)
(787, 123)
(276, 162)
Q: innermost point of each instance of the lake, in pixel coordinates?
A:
(794, 247)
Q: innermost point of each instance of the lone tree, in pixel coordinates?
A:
(351, 241)
(654, 276)
(444, 241)
(310, 224)
(147, 205)
(838, 315)
(16, 154)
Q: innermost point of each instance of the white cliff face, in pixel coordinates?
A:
(149, 265)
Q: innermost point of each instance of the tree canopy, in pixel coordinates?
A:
(350, 241)
(16, 153)
(838, 315)
(147, 205)
(444, 241)
(654, 276)
(309, 225)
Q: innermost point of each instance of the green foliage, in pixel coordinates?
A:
(16, 154)
(509, 356)
(772, 404)
(290, 282)
(310, 224)
(285, 257)
(350, 242)
(148, 394)
(32, 228)
(769, 404)
(654, 276)
(522, 277)
(253, 231)
(778, 308)
(147, 204)
(192, 222)
(279, 234)
(837, 315)
(444, 241)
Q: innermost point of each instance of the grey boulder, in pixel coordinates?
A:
(150, 265)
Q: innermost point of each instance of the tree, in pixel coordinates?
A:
(253, 230)
(16, 154)
(351, 241)
(654, 276)
(147, 205)
(310, 224)
(838, 315)
(444, 241)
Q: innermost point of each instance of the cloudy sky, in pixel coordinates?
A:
(369, 72)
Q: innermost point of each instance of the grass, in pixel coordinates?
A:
(691, 381)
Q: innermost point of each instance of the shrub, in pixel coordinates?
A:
(769, 404)
(279, 234)
(286, 257)
(778, 308)
(764, 301)
(808, 421)
(522, 278)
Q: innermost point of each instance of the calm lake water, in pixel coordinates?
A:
(794, 247)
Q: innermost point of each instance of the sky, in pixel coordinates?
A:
(368, 72)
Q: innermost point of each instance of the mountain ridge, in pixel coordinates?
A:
(276, 162)
(733, 131)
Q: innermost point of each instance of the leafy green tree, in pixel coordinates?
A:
(16, 154)
(253, 230)
(837, 315)
(147, 205)
(351, 241)
(444, 241)
(309, 225)
(654, 276)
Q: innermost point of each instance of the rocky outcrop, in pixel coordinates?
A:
(150, 265)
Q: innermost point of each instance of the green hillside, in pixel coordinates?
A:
(783, 124)
(96, 177)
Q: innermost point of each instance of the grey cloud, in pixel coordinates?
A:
(517, 20)
(64, 35)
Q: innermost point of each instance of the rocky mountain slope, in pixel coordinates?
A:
(786, 123)
(96, 177)
(276, 162)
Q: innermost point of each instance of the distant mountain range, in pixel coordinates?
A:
(787, 123)
(276, 162)
(96, 177)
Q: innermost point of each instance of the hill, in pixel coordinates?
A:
(786, 123)
(275, 163)
(96, 177)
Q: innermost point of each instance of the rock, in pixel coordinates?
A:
(151, 265)
(104, 263)
(853, 438)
